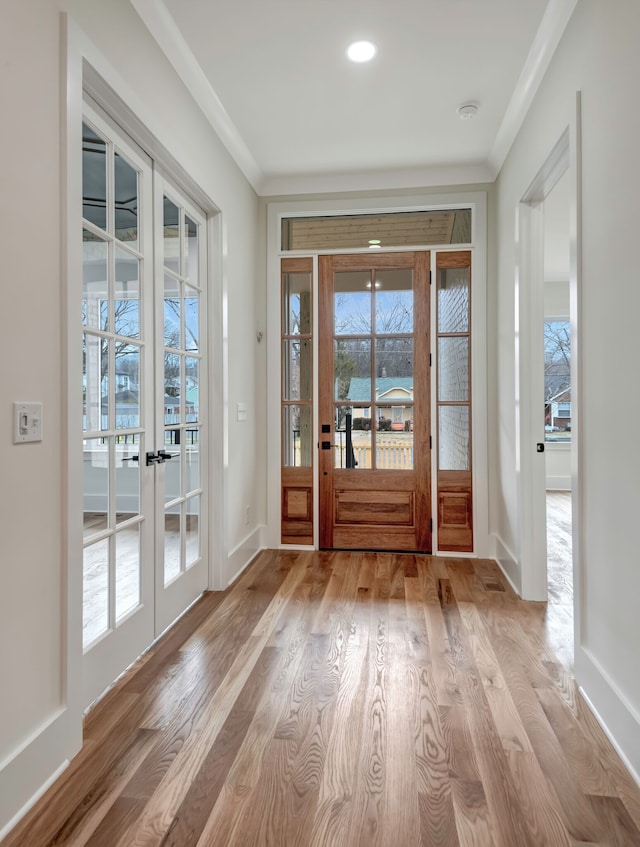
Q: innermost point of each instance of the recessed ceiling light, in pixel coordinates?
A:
(361, 51)
(374, 241)
(468, 110)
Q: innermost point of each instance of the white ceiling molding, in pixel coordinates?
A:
(553, 24)
(401, 179)
(160, 23)
(162, 27)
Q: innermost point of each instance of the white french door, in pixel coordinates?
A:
(144, 268)
(181, 371)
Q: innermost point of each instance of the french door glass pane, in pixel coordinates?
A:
(192, 528)
(453, 369)
(128, 388)
(394, 301)
(453, 438)
(94, 177)
(95, 468)
(453, 300)
(192, 459)
(173, 474)
(95, 591)
(126, 200)
(95, 381)
(191, 250)
(171, 236)
(171, 544)
(95, 285)
(127, 475)
(191, 319)
(126, 307)
(128, 561)
(171, 388)
(172, 312)
(192, 389)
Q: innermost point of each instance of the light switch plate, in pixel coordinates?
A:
(27, 422)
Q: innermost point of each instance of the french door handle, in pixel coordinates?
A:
(132, 459)
(160, 457)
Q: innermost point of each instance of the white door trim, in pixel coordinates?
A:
(477, 200)
(528, 320)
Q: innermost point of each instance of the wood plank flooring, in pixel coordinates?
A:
(333, 699)
(559, 618)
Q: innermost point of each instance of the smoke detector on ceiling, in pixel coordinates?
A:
(467, 111)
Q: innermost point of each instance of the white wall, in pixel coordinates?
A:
(40, 724)
(598, 55)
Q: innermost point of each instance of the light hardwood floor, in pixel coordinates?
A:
(333, 699)
(559, 623)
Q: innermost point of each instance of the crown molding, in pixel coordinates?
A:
(552, 26)
(401, 179)
(158, 20)
(156, 17)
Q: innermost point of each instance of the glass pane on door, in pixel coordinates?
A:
(126, 307)
(172, 555)
(181, 472)
(116, 381)
(95, 591)
(127, 567)
(352, 303)
(125, 178)
(394, 301)
(127, 477)
(192, 528)
(95, 468)
(94, 177)
(394, 437)
(95, 280)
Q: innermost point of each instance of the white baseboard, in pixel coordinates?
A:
(32, 769)
(239, 558)
(617, 717)
(508, 563)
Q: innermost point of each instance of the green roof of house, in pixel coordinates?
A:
(360, 387)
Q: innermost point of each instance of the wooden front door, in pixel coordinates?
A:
(374, 402)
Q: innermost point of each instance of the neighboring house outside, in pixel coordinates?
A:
(558, 410)
(393, 398)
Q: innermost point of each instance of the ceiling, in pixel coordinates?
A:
(273, 79)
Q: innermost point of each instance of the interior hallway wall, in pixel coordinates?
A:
(598, 56)
(39, 726)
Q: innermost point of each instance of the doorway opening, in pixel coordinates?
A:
(547, 424)
(558, 419)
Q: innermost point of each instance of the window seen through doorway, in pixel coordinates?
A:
(557, 381)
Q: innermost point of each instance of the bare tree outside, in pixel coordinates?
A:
(557, 379)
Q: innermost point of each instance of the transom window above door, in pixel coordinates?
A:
(377, 231)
